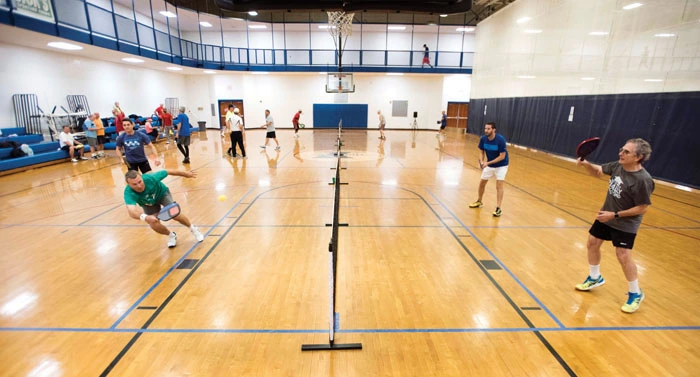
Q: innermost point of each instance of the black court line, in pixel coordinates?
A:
(146, 307)
(187, 264)
(505, 295)
(490, 264)
(182, 283)
(530, 308)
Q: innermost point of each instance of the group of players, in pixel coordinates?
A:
(627, 200)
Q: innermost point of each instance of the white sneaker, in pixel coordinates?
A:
(74, 160)
(277, 148)
(172, 240)
(196, 233)
(84, 158)
(262, 146)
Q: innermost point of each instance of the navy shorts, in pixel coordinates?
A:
(619, 238)
(271, 135)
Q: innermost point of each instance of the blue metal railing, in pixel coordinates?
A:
(89, 23)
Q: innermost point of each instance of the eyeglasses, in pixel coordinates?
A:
(625, 151)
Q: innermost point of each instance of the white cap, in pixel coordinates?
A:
(235, 110)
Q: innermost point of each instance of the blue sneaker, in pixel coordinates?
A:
(633, 302)
(590, 283)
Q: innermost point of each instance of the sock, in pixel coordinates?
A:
(634, 286)
(594, 271)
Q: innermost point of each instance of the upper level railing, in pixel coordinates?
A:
(88, 23)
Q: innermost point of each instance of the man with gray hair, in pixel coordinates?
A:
(150, 194)
(629, 196)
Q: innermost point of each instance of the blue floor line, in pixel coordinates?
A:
(551, 315)
(100, 214)
(352, 331)
(174, 266)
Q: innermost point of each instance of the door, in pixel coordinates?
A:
(457, 114)
(223, 108)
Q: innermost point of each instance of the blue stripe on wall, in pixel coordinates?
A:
(328, 115)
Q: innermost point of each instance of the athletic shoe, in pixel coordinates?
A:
(476, 204)
(633, 302)
(196, 233)
(186, 161)
(172, 240)
(262, 146)
(497, 212)
(84, 158)
(74, 160)
(277, 148)
(591, 283)
(95, 157)
(167, 142)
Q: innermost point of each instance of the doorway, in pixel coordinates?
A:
(223, 108)
(457, 114)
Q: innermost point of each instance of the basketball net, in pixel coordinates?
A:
(340, 27)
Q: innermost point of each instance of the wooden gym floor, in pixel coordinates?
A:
(427, 285)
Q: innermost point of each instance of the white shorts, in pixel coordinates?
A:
(499, 172)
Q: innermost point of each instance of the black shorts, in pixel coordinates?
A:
(183, 140)
(100, 139)
(619, 238)
(271, 135)
(144, 166)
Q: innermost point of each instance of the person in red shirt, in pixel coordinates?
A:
(118, 117)
(167, 121)
(295, 122)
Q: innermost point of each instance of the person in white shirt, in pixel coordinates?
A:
(270, 125)
(68, 143)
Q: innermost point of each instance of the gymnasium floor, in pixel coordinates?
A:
(427, 285)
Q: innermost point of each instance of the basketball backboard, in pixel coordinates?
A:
(340, 82)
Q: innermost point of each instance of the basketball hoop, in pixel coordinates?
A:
(340, 23)
(340, 27)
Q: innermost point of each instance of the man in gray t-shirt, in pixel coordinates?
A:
(270, 125)
(629, 196)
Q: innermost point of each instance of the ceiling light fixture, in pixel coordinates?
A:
(132, 60)
(523, 20)
(64, 46)
(443, 15)
(465, 29)
(205, 24)
(396, 27)
(168, 14)
(253, 13)
(257, 26)
(632, 6)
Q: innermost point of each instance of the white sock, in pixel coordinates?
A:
(594, 271)
(634, 286)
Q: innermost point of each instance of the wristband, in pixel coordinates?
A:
(617, 215)
(143, 217)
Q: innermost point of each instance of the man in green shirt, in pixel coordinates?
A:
(145, 195)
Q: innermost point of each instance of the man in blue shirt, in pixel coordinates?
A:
(183, 134)
(133, 145)
(493, 161)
